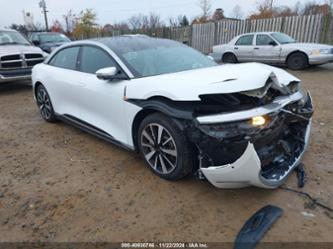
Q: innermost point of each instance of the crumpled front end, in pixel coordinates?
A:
(234, 153)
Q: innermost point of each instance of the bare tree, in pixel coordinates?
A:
(206, 8)
(140, 21)
(330, 3)
(180, 21)
(70, 20)
(155, 21)
(173, 22)
(313, 8)
(237, 12)
(298, 8)
(136, 21)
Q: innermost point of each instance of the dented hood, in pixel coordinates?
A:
(188, 85)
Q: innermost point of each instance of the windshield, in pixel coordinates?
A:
(46, 38)
(12, 37)
(150, 56)
(283, 38)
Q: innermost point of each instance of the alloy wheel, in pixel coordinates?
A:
(44, 103)
(159, 148)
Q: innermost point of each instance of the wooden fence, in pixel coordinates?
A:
(302, 28)
(312, 28)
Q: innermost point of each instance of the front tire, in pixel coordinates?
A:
(44, 104)
(164, 147)
(297, 61)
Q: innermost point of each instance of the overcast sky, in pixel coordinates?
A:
(110, 11)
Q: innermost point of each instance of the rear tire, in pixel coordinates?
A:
(297, 61)
(164, 147)
(229, 58)
(44, 104)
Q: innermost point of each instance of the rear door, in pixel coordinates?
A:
(266, 49)
(62, 81)
(243, 48)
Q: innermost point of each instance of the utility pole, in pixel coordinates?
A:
(42, 5)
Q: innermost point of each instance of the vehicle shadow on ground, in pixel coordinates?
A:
(14, 87)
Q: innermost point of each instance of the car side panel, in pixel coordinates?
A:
(102, 104)
(267, 54)
(62, 86)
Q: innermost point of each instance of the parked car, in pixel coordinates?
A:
(17, 56)
(234, 125)
(48, 41)
(273, 48)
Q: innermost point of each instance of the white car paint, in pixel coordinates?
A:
(246, 171)
(102, 103)
(217, 79)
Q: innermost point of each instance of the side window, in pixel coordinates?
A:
(34, 37)
(264, 40)
(66, 58)
(246, 40)
(93, 59)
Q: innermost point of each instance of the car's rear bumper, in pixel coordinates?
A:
(15, 75)
(320, 59)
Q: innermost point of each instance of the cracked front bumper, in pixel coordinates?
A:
(267, 160)
(247, 170)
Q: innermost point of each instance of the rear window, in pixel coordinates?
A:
(66, 58)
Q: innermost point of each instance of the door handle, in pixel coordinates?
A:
(236, 48)
(256, 48)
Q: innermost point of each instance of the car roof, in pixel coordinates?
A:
(46, 33)
(259, 33)
(136, 40)
(4, 29)
(122, 38)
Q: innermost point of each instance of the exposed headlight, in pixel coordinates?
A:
(259, 120)
(321, 51)
(305, 94)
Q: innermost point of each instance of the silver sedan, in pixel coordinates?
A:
(273, 48)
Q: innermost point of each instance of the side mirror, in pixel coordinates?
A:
(109, 73)
(36, 42)
(273, 43)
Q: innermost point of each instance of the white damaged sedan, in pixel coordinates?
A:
(234, 125)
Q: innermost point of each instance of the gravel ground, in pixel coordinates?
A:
(60, 184)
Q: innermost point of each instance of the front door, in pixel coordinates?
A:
(101, 101)
(266, 50)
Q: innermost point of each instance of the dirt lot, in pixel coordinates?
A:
(60, 184)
